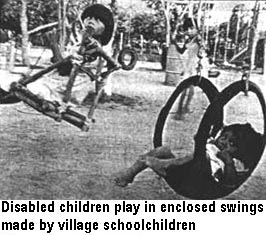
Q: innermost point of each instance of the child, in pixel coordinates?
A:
(191, 51)
(230, 158)
(56, 88)
(97, 28)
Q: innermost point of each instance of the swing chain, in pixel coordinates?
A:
(245, 79)
(200, 66)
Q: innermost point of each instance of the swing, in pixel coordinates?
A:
(128, 56)
(207, 124)
(211, 123)
(204, 84)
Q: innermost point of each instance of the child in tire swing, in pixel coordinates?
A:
(229, 159)
(191, 51)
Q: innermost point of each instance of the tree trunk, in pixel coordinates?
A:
(174, 66)
(62, 25)
(25, 35)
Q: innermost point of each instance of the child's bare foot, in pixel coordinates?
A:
(157, 165)
(122, 178)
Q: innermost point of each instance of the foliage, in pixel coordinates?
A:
(150, 25)
(39, 13)
(154, 4)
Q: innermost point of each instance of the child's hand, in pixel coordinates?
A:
(77, 59)
(225, 157)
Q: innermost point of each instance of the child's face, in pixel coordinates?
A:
(95, 25)
(227, 142)
(192, 31)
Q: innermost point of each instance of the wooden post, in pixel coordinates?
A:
(255, 38)
(237, 33)
(25, 35)
(264, 56)
(141, 45)
(11, 57)
(62, 24)
(121, 41)
(226, 42)
(174, 65)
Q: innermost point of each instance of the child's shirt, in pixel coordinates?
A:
(217, 165)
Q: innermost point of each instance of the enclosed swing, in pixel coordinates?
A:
(212, 121)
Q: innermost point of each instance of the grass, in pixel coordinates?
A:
(42, 159)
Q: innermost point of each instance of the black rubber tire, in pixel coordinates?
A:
(206, 86)
(133, 58)
(220, 101)
(207, 121)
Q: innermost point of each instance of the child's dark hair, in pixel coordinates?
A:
(190, 23)
(249, 143)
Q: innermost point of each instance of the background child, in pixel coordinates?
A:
(191, 51)
(236, 143)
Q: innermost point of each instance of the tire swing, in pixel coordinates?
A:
(210, 189)
(204, 84)
(207, 123)
(127, 58)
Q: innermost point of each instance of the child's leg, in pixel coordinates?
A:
(124, 177)
(160, 166)
(190, 94)
(180, 108)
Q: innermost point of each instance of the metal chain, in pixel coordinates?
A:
(200, 66)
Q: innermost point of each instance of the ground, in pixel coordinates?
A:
(43, 159)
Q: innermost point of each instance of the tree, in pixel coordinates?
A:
(25, 35)
(39, 12)
(62, 24)
(2, 3)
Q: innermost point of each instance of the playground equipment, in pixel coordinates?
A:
(165, 132)
(236, 40)
(211, 122)
(19, 91)
(227, 43)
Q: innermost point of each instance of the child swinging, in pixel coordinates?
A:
(229, 159)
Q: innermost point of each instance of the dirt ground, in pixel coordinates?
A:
(43, 159)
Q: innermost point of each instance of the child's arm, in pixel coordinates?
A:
(90, 47)
(230, 175)
(180, 50)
